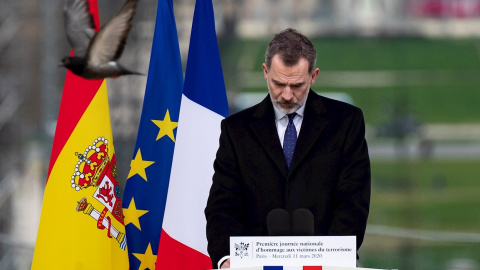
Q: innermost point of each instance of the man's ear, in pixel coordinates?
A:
(314, 75)
(265, 70)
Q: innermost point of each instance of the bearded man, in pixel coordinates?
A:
(295, 149)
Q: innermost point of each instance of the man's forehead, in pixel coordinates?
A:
(277, 61)
(282, 71)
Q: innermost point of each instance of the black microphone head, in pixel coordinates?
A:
(302, 222)
(278, 222)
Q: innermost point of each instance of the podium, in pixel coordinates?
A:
(294, 253)
(250, 251)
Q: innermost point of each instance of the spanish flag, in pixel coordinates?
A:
(82, 224)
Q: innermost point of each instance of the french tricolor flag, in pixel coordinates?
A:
(183, 243)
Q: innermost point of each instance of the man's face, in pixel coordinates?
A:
(288, 86)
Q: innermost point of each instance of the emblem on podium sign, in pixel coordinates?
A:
(96, 173)
(241, 249)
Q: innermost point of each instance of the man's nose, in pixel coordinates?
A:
(287, 93)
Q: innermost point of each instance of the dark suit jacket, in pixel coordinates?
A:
(329, 174)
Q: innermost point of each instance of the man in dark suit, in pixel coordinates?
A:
(328, 172)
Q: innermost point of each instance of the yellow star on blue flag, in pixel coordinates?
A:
(147, 259)
(138, 166)
(132, 214)
(166, 127)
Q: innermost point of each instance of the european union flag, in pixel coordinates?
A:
(147, 183)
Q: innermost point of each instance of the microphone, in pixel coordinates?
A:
(302, 222)
(278, 222)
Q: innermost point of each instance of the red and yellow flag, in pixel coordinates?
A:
(81, 225)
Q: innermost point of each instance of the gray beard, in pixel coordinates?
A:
(286, 110)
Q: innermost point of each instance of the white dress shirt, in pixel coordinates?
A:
(281, 121)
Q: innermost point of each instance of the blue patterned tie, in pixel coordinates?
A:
(290, 139)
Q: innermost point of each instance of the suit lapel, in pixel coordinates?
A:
(312, 127)
(266, 132)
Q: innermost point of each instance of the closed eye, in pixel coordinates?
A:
(297, 85)
(279, 84)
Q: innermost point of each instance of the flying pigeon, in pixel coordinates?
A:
(96, 54)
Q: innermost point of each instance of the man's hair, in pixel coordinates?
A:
(291, 45)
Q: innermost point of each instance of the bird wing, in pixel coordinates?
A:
(109, 42)
(79, 25)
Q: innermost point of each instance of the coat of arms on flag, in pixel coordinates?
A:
(94, 170)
